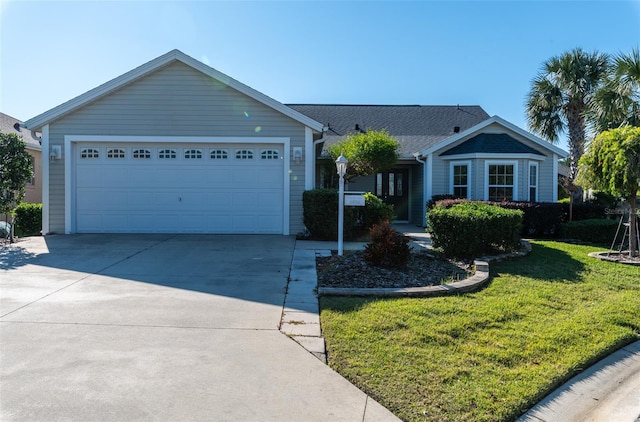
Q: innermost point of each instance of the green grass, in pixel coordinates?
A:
(490, 355)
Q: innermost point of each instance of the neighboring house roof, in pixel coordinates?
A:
(155, 64)
(10, 124)
(482, 125)
(488, 143)
(416, 127)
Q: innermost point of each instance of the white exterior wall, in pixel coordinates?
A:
(176, 100)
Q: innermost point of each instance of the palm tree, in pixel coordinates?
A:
(618, 102)
(560, 98)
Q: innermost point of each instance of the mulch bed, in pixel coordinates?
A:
(423, 269)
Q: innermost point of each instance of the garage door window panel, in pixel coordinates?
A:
(219, 154)
(164, 154)
(116, 153)
(270, 154)
(244, 154)
(193, 154)
(89, 153)
(141, 153)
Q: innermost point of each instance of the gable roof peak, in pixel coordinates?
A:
(153, 65)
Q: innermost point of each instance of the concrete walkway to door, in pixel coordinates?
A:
(159, 327)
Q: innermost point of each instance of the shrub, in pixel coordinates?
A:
(388, 248)
(320, 214)
(437, 198)
(28, 221)
(540, 219)
(374, 211)
(585, 211)
(471, 229)
(592, 231)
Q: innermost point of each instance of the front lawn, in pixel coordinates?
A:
(490, 355)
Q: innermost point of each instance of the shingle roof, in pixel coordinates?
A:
(10, 124)
(416, 127)
(499, 143)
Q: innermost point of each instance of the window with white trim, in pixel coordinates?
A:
(167, 154)
(219, 154)
(89, 153)
(192, 154)
(269, 154)
(244, 154)
(115, 153)
(460, 179)
(501, 182)
(142, 153)
(533, 182)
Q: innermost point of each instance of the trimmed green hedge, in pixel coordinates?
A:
(28, 220)
(592, 231)
(320, 214)
(472, 229)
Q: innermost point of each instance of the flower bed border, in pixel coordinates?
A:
(473, 283)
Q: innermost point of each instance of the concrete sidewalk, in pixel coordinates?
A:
(608, 391)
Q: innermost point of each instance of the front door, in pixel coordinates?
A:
(393, 188)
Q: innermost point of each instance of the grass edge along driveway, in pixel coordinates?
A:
(489, 355)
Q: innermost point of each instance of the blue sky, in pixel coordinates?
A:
(361, 52)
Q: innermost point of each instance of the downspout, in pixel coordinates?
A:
(424, 188)
(315, 159)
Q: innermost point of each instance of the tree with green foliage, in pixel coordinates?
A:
(16, 170)
(618, 102)
(368, 153)
(561, 95)
(612, 164)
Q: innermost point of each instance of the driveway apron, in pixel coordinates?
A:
(158, 327)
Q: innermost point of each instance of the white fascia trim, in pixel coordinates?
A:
(494, 156)
(309, 160)
(69, 160)
(45, 179)
(516, 176)
(495, 119)
(554, 179)
(286, 197)
(153, 65)
(460, 163)
(69, 186)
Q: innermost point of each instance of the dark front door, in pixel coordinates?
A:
(393, 188)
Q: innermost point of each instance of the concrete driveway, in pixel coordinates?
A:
(158, 327)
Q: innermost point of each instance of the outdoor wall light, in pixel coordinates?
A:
(297, 154)
(55, 153)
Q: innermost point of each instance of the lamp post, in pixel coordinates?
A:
(341, 165)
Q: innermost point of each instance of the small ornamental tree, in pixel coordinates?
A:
(612, 164)
(16, 170)
(368, 153)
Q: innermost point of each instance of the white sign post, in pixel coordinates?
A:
(341, 166)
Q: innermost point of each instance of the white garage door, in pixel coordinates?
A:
(213, 188)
